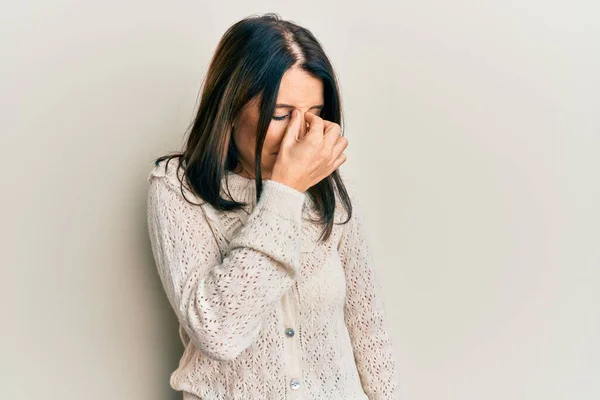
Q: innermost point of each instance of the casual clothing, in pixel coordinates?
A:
(266, 311)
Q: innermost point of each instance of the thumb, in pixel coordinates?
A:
(293, 129)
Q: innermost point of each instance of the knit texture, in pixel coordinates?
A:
(238, 279)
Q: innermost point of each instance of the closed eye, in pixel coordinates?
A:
(280, 118)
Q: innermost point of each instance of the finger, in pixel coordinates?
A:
(315, 122)
(332, 133)
(340, 146)
(303, 128)
(293, 128)
(339, 161)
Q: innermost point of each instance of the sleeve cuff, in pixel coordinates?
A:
(282, 200)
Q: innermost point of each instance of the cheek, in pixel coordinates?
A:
(245, 141)
(245, 138)
(274, 136)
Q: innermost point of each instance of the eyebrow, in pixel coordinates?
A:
(320, 106)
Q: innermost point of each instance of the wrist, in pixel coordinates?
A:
(292, 184)
(282, 200)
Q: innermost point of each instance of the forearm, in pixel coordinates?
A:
(222, 303)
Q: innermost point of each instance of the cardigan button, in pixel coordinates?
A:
(289, 332)
(295, 384)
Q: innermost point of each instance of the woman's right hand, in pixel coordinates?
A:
(304, 161)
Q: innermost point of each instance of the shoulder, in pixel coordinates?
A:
(165, 169)
(169, 173)
(169, 189)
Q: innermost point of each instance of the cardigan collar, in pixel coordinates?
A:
(243, 189)
(239, 188)
(233, 186)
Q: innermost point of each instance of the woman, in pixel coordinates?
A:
(260, 253)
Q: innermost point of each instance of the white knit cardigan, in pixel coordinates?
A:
(265, 310)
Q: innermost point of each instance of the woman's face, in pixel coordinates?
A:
(298, 90)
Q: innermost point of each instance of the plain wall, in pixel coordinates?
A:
(474, 140)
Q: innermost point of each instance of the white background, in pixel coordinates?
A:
(474, 135)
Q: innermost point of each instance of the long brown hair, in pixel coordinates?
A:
(249, 61)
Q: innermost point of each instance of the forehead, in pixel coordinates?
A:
(300, 89)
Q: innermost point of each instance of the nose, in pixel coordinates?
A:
(303, 124)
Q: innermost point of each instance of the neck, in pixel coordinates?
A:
(240, 188)
(245, 172)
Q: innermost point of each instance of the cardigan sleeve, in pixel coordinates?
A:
(221, 301)
(364, 312)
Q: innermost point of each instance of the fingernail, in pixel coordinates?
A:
(296, 113)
